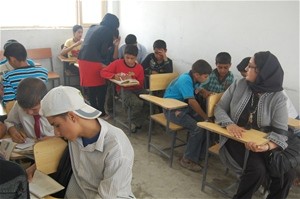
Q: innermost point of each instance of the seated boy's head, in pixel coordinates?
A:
(66, 111)
(201, 70)
(242, 66)
(77, 32)
(130, 54)
(130, 39)
(15, 53)
(159, 48)
(223, 63)
(8, 42)
(30, 92)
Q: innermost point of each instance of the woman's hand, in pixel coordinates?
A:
(260, 148)
(235, 130)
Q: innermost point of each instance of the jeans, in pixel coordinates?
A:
(196, 145)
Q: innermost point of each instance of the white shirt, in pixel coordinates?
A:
(102, 169)
(19, 118)
(141, 54)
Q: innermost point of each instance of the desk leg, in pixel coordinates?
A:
(206, 161)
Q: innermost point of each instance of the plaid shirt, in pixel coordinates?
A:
(213, 84)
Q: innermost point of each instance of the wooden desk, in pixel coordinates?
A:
(67, 59)
(249, 136)
(294, 123)
(116, 82)
(166, 103)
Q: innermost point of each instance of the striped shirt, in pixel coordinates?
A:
(11, 79)
(102, 169)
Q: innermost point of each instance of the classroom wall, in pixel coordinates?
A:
(198, 29)
(201, 29)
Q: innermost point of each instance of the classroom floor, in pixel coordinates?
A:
(153, 178)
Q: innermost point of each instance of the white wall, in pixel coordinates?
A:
(201, 29)
(198, 29)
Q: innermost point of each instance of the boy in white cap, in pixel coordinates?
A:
(101, 154)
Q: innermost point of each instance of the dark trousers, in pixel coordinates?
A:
(96, 96)
(255, 174)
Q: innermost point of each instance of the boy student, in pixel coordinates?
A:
(220, 78)
(101, 154)
(25, 112)
(157, 62)
(131, 39)
(127, 68)
(16, 55)
(183, 89)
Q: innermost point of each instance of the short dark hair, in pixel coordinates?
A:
(160, 44)
(77, 27)
(202, 67)
(30, 92)
(131, 50)
(223, 58)
(8, 42)
(243, 64)
(130, 39)
(15, 50)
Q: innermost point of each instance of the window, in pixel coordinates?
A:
(51, 13)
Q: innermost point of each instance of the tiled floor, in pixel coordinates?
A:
(153, 178)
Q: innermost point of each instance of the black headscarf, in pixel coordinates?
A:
(270, 73)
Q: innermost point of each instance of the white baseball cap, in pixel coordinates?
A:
(63, 99)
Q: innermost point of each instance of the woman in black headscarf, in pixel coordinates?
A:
(255, 102)
(93, 56)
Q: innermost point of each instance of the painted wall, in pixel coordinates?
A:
(201, 29)
(198, 29)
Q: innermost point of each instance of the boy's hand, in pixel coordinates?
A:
(204, 93)
(17, 136)
(30, 172)
(117, 41)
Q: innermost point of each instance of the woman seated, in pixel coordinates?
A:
(257, 102)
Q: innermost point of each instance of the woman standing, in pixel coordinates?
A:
(257, 102)
(92, 56)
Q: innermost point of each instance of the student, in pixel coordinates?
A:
(157, 62)
(131, 39)
(101, 154)
(255, 102)
(220, 78)
(241, 67)
(2, 130)
(16, 54)
(72, 46)
(91, 58)
(124, 69)
(4, 63)
(24, 119)
(183, 89)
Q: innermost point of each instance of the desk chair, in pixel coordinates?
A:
(45, 54)
(159, 82)
(67, 73)
(47, 154)
(9, 105)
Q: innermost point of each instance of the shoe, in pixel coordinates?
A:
(190, 165)
(134, 128)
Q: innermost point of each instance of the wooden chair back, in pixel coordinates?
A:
(161, 81)
(47, 154)
(211, 103)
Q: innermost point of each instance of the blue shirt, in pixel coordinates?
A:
(181, 88)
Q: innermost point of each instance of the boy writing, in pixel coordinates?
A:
(183, 89)
(25, 112)
(127, 68)
(101, 154)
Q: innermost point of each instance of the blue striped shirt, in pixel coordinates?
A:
(11, 79)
